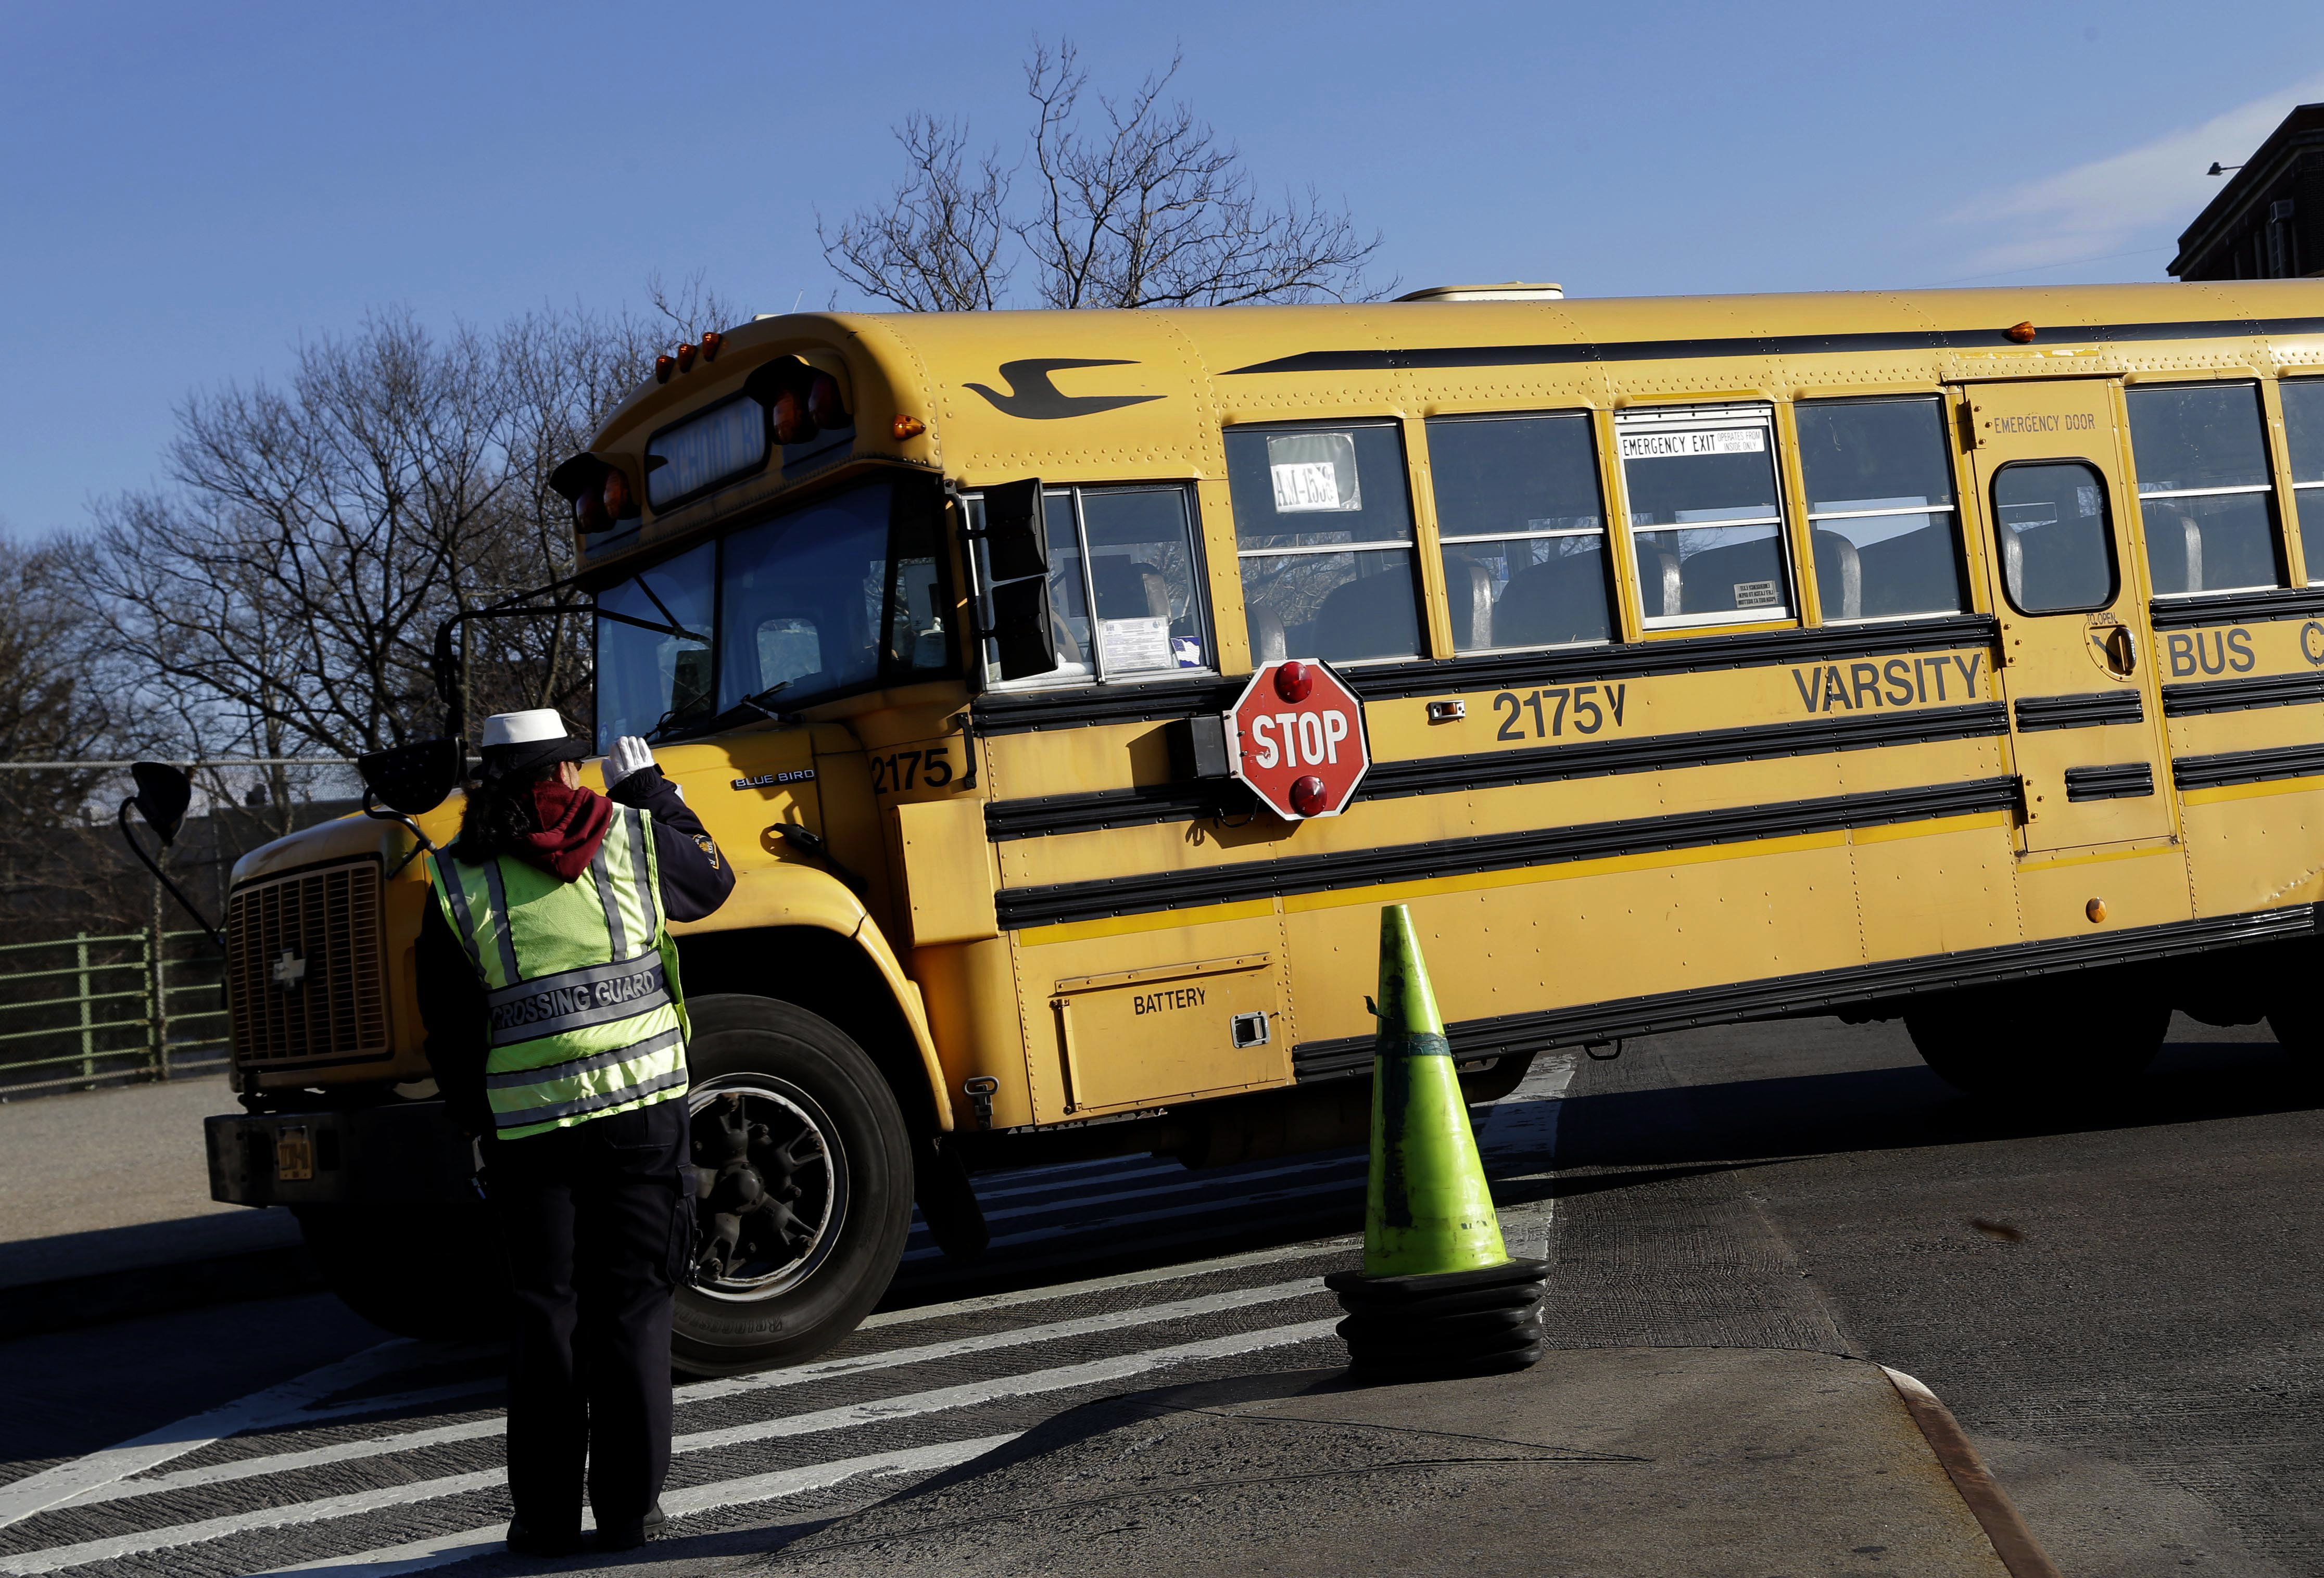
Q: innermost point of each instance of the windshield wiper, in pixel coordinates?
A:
(702, 724)
(758, 703)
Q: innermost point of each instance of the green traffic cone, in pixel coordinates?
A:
(1427, 1209)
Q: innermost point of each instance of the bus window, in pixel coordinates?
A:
(647, 678)
(1125, 597)
(1323, 529)
(2203, 489)
(1519, 513)
(1701, 483)
(2057, 555)
(1880, 508)
(2303, 429)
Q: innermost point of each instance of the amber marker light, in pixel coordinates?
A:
(823, 404)
(792, 424)
(684, 356)
(663, 367)
(711, 344)
(2023, 333)
(2095, 910)
(908, 427)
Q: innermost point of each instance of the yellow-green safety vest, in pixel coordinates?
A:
(580, 977)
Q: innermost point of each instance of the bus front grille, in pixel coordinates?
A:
(307, 968)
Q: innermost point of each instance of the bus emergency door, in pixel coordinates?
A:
(2077, 658)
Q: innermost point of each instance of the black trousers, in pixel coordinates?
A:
(595, 1222)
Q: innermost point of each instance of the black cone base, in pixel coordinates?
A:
(1456, 1323)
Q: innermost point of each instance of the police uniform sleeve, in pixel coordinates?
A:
(452, 1007)
(695, 875)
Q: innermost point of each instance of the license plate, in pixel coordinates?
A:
(294, 1153)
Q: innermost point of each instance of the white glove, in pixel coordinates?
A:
(630, 755)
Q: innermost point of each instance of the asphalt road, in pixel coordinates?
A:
(2122, 1310)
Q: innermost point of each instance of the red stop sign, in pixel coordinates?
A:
(1296, 735)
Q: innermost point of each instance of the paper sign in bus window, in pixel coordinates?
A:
(1675, 446)
(1757, 595)
(1131, 644)
(1313, 472)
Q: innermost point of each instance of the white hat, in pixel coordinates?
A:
(519, 742)
(529, 728)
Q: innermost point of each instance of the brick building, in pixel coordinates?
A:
(2267, 222)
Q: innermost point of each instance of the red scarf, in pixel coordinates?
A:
(573, 823)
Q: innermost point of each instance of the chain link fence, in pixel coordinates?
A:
(120, 1008)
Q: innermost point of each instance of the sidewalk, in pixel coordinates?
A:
(1645, 1462)
(109, 1211)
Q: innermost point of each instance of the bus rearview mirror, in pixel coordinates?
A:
(414, 778)
(1022, 631)
(1016, 544)
(163, 793)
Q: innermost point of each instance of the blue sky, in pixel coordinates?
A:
(186, 191)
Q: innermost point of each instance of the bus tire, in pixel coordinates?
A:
(427, 1272)
(2040, 1044)
(802, 1191)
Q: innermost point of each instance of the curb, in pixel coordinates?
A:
(1995, 1512)
(35, 1308)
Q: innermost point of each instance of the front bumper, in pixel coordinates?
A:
(403, 1153)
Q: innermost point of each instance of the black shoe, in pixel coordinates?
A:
(528, 1542)
(628, 1534)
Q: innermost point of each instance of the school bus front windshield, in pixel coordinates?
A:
(841, 595)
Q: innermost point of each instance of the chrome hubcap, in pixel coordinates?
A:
(770, 1185)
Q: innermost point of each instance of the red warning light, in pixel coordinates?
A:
(1309, 797)
(1294, 682)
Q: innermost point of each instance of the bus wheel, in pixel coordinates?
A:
(2038, 1044)
(430, 1271)
(802, 1191)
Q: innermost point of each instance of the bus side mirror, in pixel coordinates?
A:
(1021, 629)
(414, 779)
(1016, 538)
(163, 793)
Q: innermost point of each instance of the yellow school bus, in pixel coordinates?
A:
(1954, 656)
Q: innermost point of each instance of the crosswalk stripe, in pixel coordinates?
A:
(258, 1411)
(1013, 1188)
(876, 1411)
(1521, 1127)
(114, 1546)
(732, 1386)
(1311, 1249)
(1183, 1188)
(1177, 1213)
(443, 1549)
(1025, 1383)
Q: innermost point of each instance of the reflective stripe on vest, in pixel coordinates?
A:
(585, 1017)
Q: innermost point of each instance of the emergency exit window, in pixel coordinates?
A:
(2303, 430)
(1880, 508)
(2205, 497)
(1705, 522)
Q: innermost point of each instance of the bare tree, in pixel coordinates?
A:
(1144, 207)
(283, 598)
(1153, 210)
(936, 246)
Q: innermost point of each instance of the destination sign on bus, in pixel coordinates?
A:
(728, 440)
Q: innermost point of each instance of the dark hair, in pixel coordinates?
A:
(499, 814)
